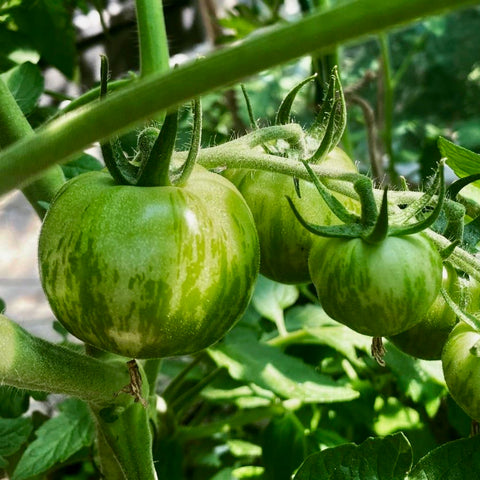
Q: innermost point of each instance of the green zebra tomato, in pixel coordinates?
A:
(284, 243)
(148, 272)
(426, 339)
(461, 368)
(381, 289)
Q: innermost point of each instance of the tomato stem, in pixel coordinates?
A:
(13, 127)
(159, 91)
(31, 363)
(152, 37)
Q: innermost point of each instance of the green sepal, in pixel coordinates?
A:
(332, 119)
(417, 207)
(352, 230)
(251, 117)
(327, 143)
(333, 204)
(454, 189)
(112, 152)
(180, 176)
(380, 229)
(364, 188)
(319, 126)
(283, 114)
(155, 171)
(430, 219)
(447, 251)
(469, 319)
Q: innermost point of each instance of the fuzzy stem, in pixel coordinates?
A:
(31, 363)
(130, 439)
(13, 127)
(152, 36)
(388, 106)
(131, 105)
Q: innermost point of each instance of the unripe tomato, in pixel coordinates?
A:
(461, 368)
(426, 339)
(284, 243)
(378, 290)
(148, 271)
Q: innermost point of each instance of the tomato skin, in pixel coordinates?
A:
(461, 368)
(284, 243)
(148, 272)
(378, 290)
(426, 339)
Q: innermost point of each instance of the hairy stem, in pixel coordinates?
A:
(13, 127)
(133, 104)
(31, 363)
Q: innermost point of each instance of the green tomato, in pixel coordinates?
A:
(148, 272)
(378, 290)
(461, 368)
(426, 339)
(284, 243)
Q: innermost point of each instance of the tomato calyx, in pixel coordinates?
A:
(151, 166)
(372, 225)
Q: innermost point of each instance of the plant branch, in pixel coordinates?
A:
(13, 127)
(319, 32)
(31, 363)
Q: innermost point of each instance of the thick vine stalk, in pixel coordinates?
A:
(319, 32)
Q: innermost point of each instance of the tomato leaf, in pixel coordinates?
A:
(320, 329)
(57, 439)
(246, 359)
(14, 432)
(48, 26)
(26, 84)
(458, 459)
(82, 164)
(420, 380)
(13, 402)
(270, 299)
(388, 458)
(461, 160)
(284, 447)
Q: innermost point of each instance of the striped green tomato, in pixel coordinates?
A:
(376, 289)
(148, 272)
(284, 243)
(426, 339)
(461, 368)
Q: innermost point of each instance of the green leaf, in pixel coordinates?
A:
(16, 48)
(13, 402)
(270, 298)
(250, 361)
(321, 329)
(420, 380)
(26, 84)
(388, 458)
(14, 432)
(456, 460)
(82, 164)
(462, 161)
(241, 448)
(57, 439)
(284, 447)
(48, 25)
